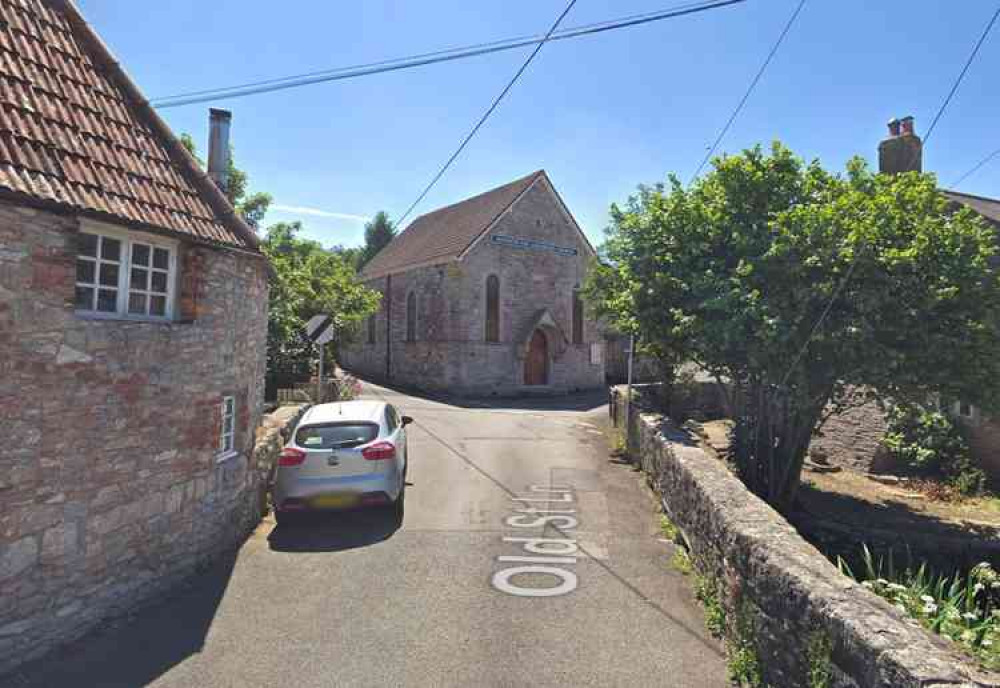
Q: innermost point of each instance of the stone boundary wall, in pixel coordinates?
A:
(229, 512)
(787, 591)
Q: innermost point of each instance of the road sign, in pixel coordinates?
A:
(317, 325)
(326, 336)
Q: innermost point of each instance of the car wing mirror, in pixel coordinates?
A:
(406, 420)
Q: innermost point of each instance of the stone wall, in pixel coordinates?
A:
(450, 352)
(786, 592)
(111, 484)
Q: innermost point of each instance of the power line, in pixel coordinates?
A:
(489, 111)
(435, 57)
(976, 168)
(854, 260)
(749, 91)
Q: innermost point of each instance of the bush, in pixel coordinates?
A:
(928, 442)
(965, 608)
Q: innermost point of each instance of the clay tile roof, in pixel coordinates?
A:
(987, 207)
(445, 233)
(74, 131)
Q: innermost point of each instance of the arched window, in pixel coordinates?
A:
(577, 317)
(371, 328)
(411, 317)
(493, 308)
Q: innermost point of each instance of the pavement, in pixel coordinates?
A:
(586, 597)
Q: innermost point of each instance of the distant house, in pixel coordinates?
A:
(853, 438)
(133, 320)
(483, 297)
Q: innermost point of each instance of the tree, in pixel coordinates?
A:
(379, 231)
(807, 293)
(252, 207)
(308, 280)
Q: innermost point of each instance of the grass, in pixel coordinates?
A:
(965, 608)
(681, 561)
(668, 529)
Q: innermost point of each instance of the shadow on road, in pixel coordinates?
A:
(585, 400)
(135, 651)
(335, 532)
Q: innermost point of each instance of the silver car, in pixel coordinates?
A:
(341, 456)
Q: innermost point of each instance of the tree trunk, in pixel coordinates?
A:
(770, 443)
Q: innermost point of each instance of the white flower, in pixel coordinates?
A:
(930, 608)
(867, 584)
(927, 598)
(987, 642)
(977, 587)
(970, 616)
(896, 586)
(882, 581)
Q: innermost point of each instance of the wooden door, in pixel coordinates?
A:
(537, 361)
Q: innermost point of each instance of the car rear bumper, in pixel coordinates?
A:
(294, 493)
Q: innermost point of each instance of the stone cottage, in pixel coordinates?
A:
(853, 438)
(133, 318)
(483, 297)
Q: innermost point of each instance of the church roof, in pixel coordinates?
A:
(446, 232)
(76, 134)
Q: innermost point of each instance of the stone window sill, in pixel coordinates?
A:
(226, 456)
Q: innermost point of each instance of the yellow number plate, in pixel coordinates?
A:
(333, 501)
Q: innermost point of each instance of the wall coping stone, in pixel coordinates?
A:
(737, 537)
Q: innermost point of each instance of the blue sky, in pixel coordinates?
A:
(601, 114)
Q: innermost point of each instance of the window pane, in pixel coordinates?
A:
(138, 279)
(161, 258)
(111, 249)
(157, 305)
(107, 300)
(335, 435)
(109, 274)
(137, 304)
(159, 282)
(85, 298)
(87, 245)
(140, 254)
(229, 406)
(227, 425)
(85, 271)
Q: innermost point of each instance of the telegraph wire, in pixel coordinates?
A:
(976, 168)
(930, 130)
(423, 59)
(749, 91)
(486, 115)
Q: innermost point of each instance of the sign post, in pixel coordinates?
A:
(320, 330)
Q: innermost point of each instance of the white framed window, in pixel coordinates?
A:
(124, 274)
(227, 432)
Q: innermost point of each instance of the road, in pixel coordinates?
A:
(354, 600)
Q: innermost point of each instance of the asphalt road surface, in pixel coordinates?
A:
(580, 593)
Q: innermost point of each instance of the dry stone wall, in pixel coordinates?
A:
(787, 592)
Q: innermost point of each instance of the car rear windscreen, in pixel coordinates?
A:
(335, 435)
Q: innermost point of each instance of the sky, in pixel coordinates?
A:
(601, 114)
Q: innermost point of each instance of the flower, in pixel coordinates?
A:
(927, 598)
(970, 616)
(896, 586)
(987, 642)
(930, 608)
(882, 581)
(867, 584)
(977, 587)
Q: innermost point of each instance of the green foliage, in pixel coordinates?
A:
(681, 561)
(741, 653)
(818, 654)
(668, 529)
(309, 280)
(379, 231)
(965, 608)
(706, 591)
(929, 442)
(734, 272)
(253, 207)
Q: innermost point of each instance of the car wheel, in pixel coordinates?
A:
(399, 505)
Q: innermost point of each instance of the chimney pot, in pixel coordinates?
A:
(218, 147)
(903, 151)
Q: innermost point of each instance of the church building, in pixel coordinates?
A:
(483, 297)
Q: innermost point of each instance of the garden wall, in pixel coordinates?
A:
(786, 594)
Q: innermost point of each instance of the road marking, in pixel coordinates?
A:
(549, 552)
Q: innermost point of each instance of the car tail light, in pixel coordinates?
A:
(290, 456)
(380, 451)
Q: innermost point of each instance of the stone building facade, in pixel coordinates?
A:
(133, 322)
(481, 298)
(853, 439)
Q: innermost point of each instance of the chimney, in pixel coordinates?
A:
(218, 147)
(902, 151)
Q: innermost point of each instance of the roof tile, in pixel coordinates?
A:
(68, 132)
